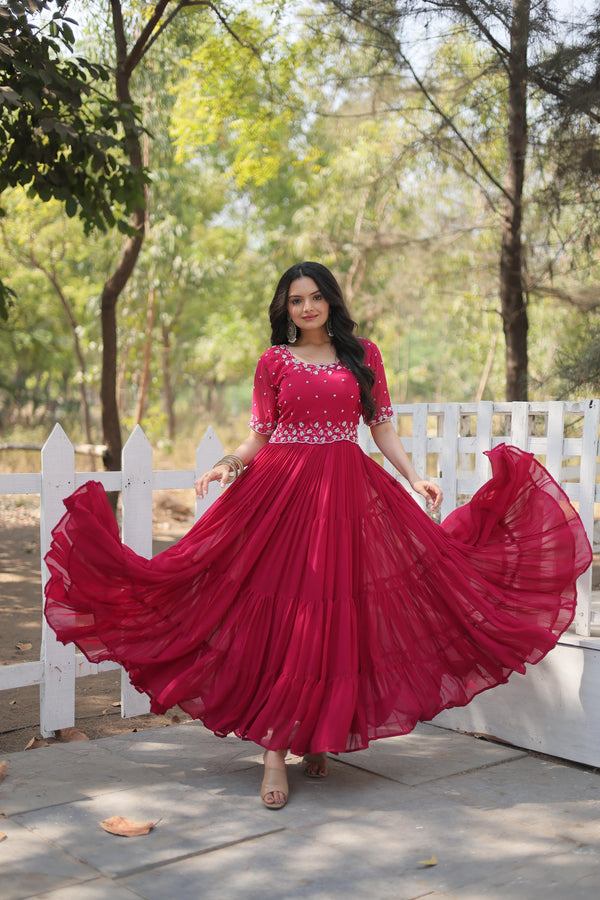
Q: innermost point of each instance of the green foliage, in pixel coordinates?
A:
(41, 372)
(7, 299)
(577, 363)
(268, 143)
(61, 136)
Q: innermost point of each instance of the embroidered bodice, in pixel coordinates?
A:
(296, 401)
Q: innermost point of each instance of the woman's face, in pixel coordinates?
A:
(306, 305)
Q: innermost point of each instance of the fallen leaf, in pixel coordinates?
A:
(21, 645)
(125, 827)
(36, 742)
(116, 703)
(67, 735)
(432, 861)
(2, 836)
(12, 702)
(3, 768)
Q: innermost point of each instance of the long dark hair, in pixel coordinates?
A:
(350, 351)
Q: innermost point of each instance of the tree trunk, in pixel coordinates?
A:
(85, 406)
(145, 377)
(514, 311)
(111, 428)
(151, 308)
(167, 388)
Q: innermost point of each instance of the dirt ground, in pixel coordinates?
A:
(97, 709)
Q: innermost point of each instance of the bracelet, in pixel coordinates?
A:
(234, 462)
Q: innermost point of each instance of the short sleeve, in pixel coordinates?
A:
(264, 400)
(383, 406)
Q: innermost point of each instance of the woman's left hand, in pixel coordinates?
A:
(431, 492)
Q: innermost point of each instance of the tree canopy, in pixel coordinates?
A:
(60, 129)
(268, 134)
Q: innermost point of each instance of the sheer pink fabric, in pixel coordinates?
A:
(315, 606)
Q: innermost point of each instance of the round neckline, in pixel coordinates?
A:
(303, 362)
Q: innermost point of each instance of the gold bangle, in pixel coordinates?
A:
(234, 462)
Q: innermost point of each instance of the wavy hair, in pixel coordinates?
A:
(350, 351)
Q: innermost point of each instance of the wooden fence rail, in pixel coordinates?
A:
(446, 441)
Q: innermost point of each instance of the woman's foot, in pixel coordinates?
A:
(274, 788)
(315, 765)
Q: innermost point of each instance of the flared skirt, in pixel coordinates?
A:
(315, 606)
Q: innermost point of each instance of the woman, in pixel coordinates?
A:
(315, 606)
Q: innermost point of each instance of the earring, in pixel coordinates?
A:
(329, 326)
(292, 331)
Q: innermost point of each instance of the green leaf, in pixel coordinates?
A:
(7, 298)
(71, 206)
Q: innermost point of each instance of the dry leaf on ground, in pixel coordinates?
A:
(2, 836)
(67, 735)
(22, 645)
(3, 768)
(36, 742)
(432, 861)
(123, 827)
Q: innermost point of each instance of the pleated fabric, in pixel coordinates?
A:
(315, 606)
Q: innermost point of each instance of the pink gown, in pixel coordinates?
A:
(315, 606)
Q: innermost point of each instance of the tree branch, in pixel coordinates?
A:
(147, 40)
(396, 49)
(140, 45)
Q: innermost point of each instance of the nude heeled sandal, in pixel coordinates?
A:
(318, 761)
(274, 780)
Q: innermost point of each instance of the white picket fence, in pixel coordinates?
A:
(59, 666)
(446, 441)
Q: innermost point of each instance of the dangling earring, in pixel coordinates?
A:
(329, 326)
(292, 331)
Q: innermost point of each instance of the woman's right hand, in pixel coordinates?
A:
(221, 473)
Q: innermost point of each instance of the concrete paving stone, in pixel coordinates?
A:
(98, 889)
(188, 760)
(63, 773)
(30, 865)
(188, 820)
(525, 780)
(471, 846)
(186, 734)
(343, 793)
(428, 753)
(533, 794)
(282, 866)
(564, 876)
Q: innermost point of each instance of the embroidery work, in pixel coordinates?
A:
(313, 403)
(315, 433)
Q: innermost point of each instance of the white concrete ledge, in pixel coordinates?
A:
(553, 709)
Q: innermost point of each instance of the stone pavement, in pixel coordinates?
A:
(498, 822)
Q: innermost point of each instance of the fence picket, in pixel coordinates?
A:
(589, 455)
(519, 425)
(208, 452)
(483, 441)
(57, 691)
(449, 457)
(419, 446)
(136, 500)
(555, 427)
